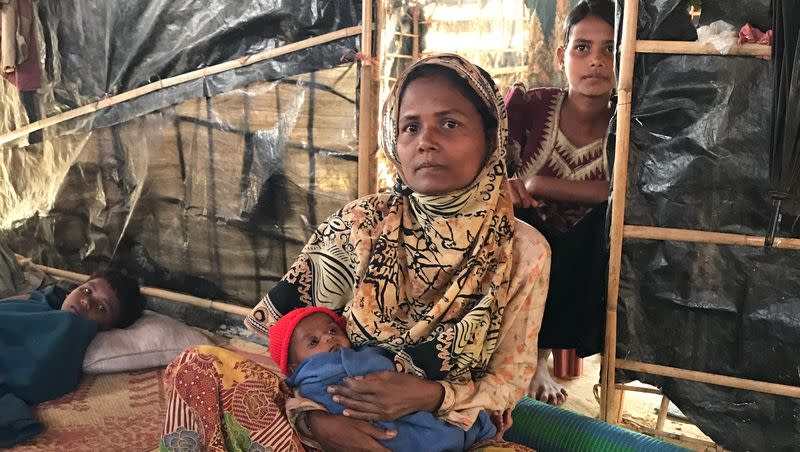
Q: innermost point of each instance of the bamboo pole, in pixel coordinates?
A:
(620, 178)
(623, 387)
(177, 80)
(714, 379)
(696, 48)
(415, 30)
(719, 238)
(8, 38)
(148, 291)
(366, 151)
(662, 414)
(674, 438)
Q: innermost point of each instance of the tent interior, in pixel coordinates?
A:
(176, 140)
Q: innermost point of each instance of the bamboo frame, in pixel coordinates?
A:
(179, 79)
(719, 238)
(696, 48)
(367, 145)
(619, 231)
(148, 291)
(620, 177)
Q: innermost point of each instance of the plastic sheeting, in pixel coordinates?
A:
(700, 160)
(209, 188)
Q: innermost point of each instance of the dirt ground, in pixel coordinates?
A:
(639, 409)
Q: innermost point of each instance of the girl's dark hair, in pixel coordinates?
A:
(461, 84)
(603, 9)
(131, 300)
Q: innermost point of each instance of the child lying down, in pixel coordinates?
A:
(43, 337)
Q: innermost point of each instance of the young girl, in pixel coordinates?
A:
(559, 159)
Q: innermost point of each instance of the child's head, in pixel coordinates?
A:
(444, 130)
(587, 57)
(305, 332)
(110, 298)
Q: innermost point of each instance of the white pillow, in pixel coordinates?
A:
(152, 341)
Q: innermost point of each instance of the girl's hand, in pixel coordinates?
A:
(386, 396)
(338, 433)
(520, 195)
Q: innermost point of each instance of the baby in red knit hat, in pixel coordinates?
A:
(303, 333)
(311, 347)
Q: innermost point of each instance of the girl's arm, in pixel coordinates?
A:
(588, 193)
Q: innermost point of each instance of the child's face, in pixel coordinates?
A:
(96, 301)
(588, 58)
(441, 141)
(315, 334)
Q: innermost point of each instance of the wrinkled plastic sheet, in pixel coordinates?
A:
(699, 159)
(210, 188)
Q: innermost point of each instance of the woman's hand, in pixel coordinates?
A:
(338, 433)
(386, 396)
(520, 195)
(503, 422)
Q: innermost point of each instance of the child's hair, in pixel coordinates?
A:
(603, 9)
(463, 87)
(280, 334)
(131, 300)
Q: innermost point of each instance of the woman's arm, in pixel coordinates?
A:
(514, 361)
(588, 193)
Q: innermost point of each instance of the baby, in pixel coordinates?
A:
(311, 347)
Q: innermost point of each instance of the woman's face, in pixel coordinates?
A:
(441, 142)
(588, 59)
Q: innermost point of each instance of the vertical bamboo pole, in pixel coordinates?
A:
(415, 32)
(662, 414)
(620, 178)
(8, 40)
(366, 150)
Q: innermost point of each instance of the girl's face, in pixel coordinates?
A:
(588, 59)
(441, 142)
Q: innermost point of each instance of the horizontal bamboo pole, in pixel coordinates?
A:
(673, 438)
(147, 291)
(719, 238)
(696, 48)
(624, 387)
(714, 379)
(178, 79)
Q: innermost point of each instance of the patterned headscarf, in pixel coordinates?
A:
(425, 276)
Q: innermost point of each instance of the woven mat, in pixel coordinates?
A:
(120, 412)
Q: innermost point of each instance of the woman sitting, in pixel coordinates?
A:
(438, 273)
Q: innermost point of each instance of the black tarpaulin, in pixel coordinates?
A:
(700, 159)
(210, 187)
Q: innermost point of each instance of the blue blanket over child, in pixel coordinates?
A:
(415, 432)
(41, 356)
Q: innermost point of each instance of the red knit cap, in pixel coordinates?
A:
(280, 334)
